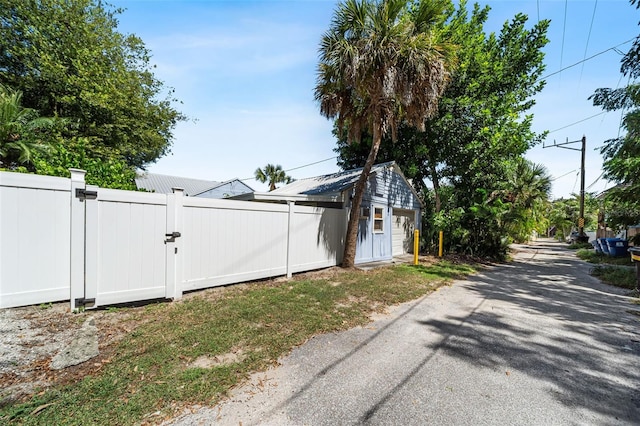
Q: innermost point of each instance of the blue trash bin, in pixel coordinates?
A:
(604, 248)
(596, 246)
(617, 247)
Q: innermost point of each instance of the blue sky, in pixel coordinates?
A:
(245, 73)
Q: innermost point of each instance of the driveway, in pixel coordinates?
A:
(534, 342)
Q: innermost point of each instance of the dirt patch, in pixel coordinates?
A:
(206, 361)
(31, 336)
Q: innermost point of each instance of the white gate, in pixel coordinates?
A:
(126, 253)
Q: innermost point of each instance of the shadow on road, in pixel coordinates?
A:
(589, 351)
(541, 316)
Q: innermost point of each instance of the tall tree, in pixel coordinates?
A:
(69, 60)
(480, 129)
(526, 191)
(274, 174)
(622, 154)
(563, 214)
(381, 62)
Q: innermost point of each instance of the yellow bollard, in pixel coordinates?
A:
(441, 244)
(416, 246)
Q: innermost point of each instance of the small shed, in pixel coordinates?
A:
(390, 210)
(164, 184)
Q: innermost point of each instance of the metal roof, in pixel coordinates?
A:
(331, 184)
(164, 184)
(325, 188)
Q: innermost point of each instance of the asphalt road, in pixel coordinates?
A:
(534, 342)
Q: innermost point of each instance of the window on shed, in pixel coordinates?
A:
(378, 219)
(365, 212)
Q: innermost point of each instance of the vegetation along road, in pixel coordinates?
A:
(535, 341)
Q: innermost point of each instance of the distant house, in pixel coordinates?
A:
(390, 210)
(164, 184)
(603, 230)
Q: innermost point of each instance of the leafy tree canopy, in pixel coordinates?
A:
(481, 126)
(563, 214)
(622, 154)
(68, 60)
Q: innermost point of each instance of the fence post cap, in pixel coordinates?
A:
(77, 174)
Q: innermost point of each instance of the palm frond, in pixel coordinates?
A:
(379, 61)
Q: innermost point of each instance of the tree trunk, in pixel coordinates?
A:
(436, 186)
(348, 260)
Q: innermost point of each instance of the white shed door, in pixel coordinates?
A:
(402, 226)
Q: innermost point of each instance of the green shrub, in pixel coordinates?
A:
(592, 256)
(619, 276)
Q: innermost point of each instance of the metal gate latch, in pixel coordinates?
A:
(83, 194)
(171, 237)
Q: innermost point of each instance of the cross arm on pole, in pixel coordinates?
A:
(583, 141)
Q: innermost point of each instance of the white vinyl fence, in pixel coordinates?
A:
(63, 240)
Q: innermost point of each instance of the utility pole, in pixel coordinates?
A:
(582, 237)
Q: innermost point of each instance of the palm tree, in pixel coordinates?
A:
(381, 62)
(527, 191)
(18, 126)
(272, 174)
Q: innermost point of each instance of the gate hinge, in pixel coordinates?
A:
(83, 302)
(83, 194)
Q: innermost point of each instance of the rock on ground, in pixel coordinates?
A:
(83, 347)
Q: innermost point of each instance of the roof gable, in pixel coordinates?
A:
(330, 184)
(231, 182)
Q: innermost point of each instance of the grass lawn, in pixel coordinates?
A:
(616, 271)
(195, 350)
(591, 256)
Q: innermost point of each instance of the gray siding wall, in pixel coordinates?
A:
(386, 190)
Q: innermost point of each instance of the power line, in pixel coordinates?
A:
(584, 60)
(614, 48)
(575, 183)
(298, 167)
(561, 176)
(540, 79)
(595, 181)
(593, 16)
(564, 29)
(312, 164)
(578, 122)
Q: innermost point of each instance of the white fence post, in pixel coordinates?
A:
(289, 237)
(77, 228)
(174, 249)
